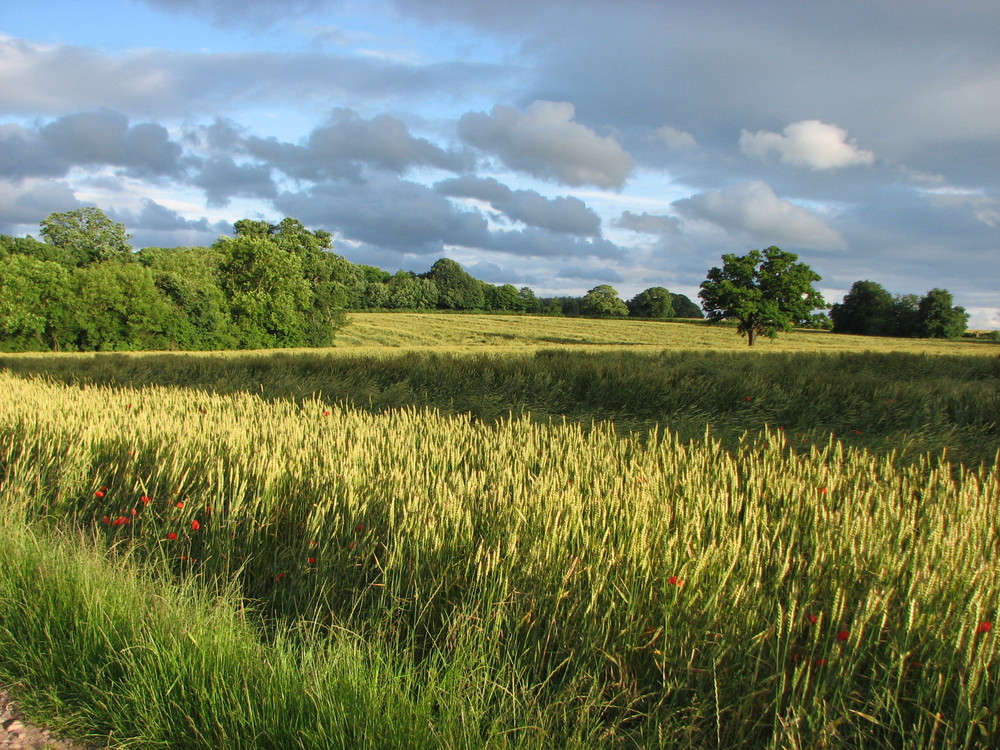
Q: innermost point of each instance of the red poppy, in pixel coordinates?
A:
(985, 627)
(145, 500)
(813, 619)
(916, 664)
(279, 576)
(822, 490)
(120, 521)
(747, 399)
(180, 504)
(135, 512)
(99, 493)
(675, 581)
(172, 535)
(326, 413)
(105, 520)
(195, 525)
(312, 560)
(843, 635)
(359, 528)
(821, 662)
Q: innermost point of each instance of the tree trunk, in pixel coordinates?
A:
(750, 335)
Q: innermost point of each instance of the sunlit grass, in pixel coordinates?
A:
(645, 591)
(474, 531)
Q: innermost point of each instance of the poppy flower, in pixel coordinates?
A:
(195, 525)
(135, 512)
(813, 619)
(180, 504)
(326, 413)
(359, 528)
(822, 490)
(99, 493)
(145, 500)
(120, 521)
(821, 662)
(172, 535)
(312, 560)
(985, 627)
(105, 520)
(675, 581)
(843, 635)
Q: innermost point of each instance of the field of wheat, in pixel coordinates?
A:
(593, 545)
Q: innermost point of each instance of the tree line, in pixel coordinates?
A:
(81, 287)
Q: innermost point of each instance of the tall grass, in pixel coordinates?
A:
(887, 402)
(538, 584)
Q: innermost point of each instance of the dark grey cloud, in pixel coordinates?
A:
(98, 138)
(403, 216)
(155, 225)
(546, 142)
(566, 215)
(222, 179)
(342, 148)
(411, 219)
(24, 204)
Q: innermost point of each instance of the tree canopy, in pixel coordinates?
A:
(87, 235)
(603, 302)
(655, 302)
(764, 292)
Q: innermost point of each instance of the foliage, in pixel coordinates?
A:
(119, 307)
(869, 309)
(87, 235)
(35, 300)
(457, 290)
(603, 302)
(938, 318)
(763, 292)
(655, 302)
(684, 307)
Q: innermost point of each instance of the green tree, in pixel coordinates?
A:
(457, 290)
(119, 307)
(867, 309)
(684, 307)
(529, 300)
(87, 235)
(939, 319)
(35, 305)
(504, 298)
(655, 302)
(764, 292)
(603, 302)
(268, 295)
(189, 279)
(905, 319)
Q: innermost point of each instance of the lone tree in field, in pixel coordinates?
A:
(764, 292)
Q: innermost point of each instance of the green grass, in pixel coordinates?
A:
(519, 548)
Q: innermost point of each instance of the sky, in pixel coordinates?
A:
(558, 145)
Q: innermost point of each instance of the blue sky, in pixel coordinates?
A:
(558, 145)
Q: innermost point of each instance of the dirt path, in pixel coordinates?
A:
(15, 733)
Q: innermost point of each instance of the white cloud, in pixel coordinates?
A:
(544, 141)
(809, 143)
(754, 208)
